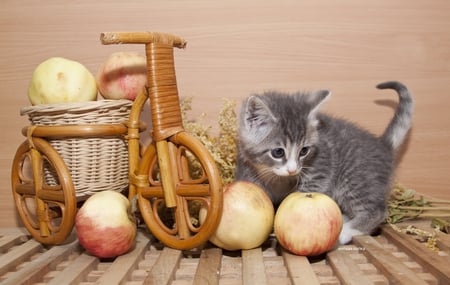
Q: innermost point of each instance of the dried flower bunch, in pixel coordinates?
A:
(221, 145)
(404, 204)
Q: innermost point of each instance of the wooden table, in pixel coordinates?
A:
(388, 258)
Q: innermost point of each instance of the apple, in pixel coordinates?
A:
(60, 80)
(247, 217)
(105, 225)
(308, 224)
(122, 76)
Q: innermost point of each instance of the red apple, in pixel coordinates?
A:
(247, 217)
(122, 76)
(105, 226)
(308, 223)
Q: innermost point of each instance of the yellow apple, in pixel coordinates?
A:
(308, 223)
(247, 217)
(60, 80)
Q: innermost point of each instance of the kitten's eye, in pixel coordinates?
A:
(277, 153)
(304, 151)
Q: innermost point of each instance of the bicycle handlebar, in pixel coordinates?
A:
(108, 38)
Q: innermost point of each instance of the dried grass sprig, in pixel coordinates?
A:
(429, 238)
(221, 144)
(404, 204)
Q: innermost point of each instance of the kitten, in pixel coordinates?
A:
(286, 144)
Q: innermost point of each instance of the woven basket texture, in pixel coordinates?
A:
(95, 163)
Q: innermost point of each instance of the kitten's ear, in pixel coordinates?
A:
(257, 114)
(316, 99)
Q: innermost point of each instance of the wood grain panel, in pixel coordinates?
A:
(239, 47)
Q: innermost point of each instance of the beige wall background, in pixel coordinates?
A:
(238, 47)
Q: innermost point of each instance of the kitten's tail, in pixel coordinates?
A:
(398, 128)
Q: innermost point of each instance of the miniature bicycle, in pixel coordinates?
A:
(161, 179)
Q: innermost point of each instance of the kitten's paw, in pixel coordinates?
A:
(347, 233)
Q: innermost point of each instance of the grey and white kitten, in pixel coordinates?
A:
(286, 144)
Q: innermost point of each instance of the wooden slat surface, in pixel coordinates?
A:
(208, 270)
(164, 270)
(438, 265)
(7, 241)
(346, 268)
(299, 269)
(77, 271)
(18, 255)
(397, 272)
(37, 268)
(253, 271)
(123, 265)
(390, 258)
(443, 242)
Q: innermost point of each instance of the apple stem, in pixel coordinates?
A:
(309, 195)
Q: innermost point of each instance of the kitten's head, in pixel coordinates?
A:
(278, 131)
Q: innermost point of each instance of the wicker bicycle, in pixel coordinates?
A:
(162, 178)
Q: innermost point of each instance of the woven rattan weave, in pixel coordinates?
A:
(96, 163)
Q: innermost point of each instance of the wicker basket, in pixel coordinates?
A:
(95, 163)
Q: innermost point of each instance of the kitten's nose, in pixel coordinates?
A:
(291, 168)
